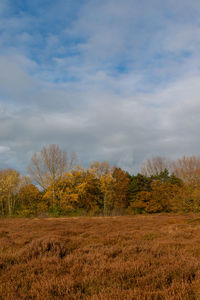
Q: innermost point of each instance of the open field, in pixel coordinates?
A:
(139, 257)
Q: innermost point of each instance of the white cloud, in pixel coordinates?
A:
(115, 84)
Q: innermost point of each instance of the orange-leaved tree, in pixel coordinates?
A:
(161, 198)
(29, 199)
(120, 188)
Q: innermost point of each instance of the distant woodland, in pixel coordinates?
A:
(57, 186)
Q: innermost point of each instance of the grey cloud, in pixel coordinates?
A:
(121, 129)
(83, 104)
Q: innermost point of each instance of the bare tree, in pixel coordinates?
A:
(187, 168)
(100, 169)
(155, 165)
(49, 165)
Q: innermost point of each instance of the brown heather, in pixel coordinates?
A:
(132, 257)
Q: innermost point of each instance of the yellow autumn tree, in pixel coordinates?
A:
(90, 194)
(9, 187)
(64, 192)
(103, 173)
(120, 188)
(29, 200)
(188, 198)
(49, 166)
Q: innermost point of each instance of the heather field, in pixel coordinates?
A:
(130, 257)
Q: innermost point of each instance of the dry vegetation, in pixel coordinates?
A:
(132, 257)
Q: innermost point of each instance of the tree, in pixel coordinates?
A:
(120, 188)
(78, 189)
(29, 198)
(49, 165)
(187, 168)
(164, 176)
(102, 172)
(161, 198)
(163, 195)
(90, 193)
(154, 166)
(100, 169)
(64, 191)
(9, 185)
(137, 184)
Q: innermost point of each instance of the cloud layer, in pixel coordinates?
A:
(111, 80)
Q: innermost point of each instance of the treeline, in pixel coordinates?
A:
(57, 186)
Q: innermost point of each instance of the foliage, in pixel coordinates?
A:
(29, 198)
(100, 189)
(120, 188)
(9, 185)
(137, 184)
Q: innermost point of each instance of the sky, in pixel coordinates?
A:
(114, 80)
